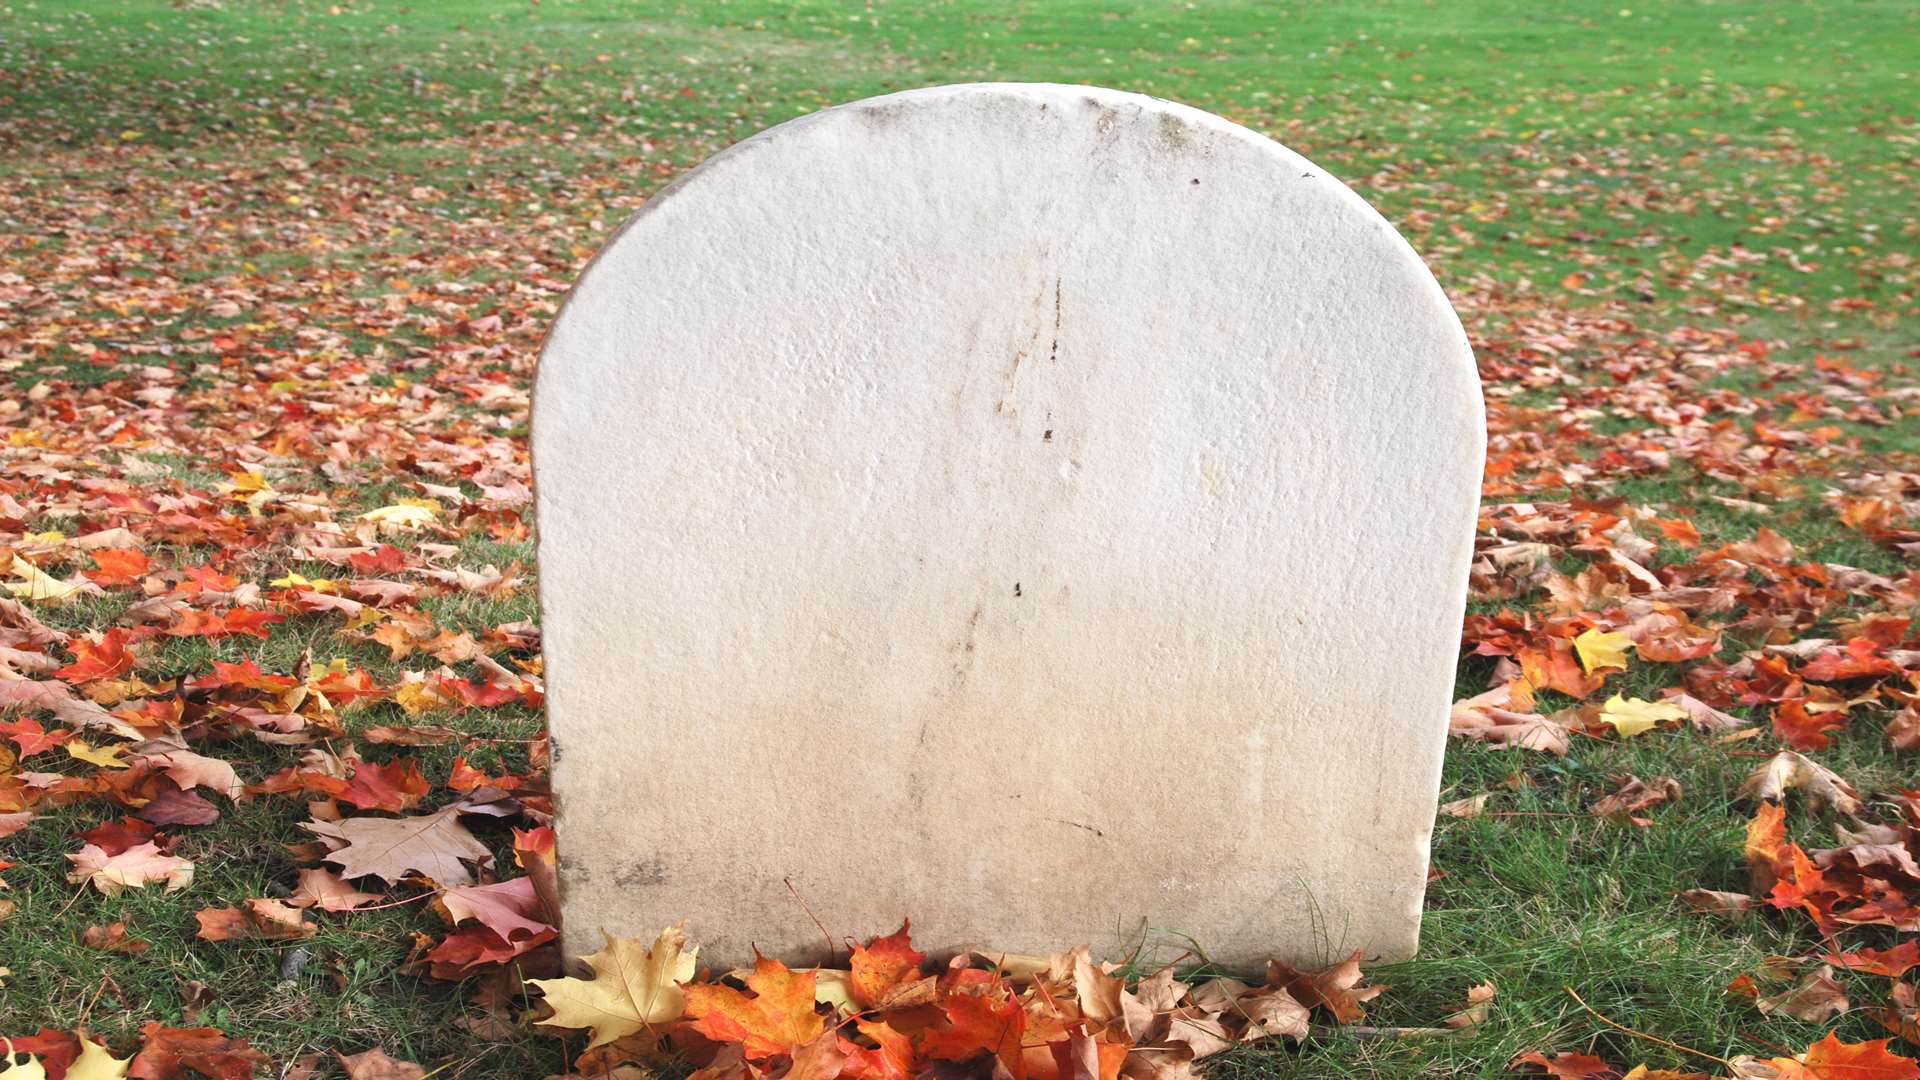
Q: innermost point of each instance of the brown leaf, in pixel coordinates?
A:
(113, 938)
(1814, 998)
(435, 845)
(322, 887)
(1789, 770)
(1730, 904)
(1635, 795)
(1337, 989)
(374, 1064)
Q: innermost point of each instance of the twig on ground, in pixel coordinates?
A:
(1602, 1017)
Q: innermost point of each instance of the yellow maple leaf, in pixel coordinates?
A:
(107, 757)
(30, 1069)
(96, 1063)
(633, 986)
(1602, 650)
(36, 584)
(1634, 716)
(294, 580)
(405, 515)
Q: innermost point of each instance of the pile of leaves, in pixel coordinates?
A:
(886, 1017)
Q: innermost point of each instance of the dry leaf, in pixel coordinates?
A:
(1789, 770)
(633, 986)
(435, 845)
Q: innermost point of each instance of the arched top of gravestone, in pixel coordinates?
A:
(789, 177)
(1036, 509)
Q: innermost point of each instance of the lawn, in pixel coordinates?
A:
(273, 277)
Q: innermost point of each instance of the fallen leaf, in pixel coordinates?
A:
(1831, 1059)
(633, 987)
(1602, 650)
(113, 938)
(1337, 989)
(374, 1064)
(436, 845)
(322, 887)
(776, 1019)
(1634, 716)
(882, 964)
(1788, 771)
(133, 868)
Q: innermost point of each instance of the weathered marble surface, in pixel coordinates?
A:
(1040, 510)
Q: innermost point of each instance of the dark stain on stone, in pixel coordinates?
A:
(651, 872)
(1053, 351)
(1077, 825)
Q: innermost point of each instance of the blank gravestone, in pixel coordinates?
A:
(1040, 510)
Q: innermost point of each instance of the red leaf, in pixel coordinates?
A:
(191, 1053)
(101, 659)
(118, 566)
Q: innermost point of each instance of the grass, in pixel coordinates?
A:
(1748, 166)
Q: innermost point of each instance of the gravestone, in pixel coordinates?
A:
(1041, 511)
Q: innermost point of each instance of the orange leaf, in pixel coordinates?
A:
(977, 1023)
(1892, 963)
(777, 1019)
(1801, 729)
(1831, 1059)
(97, 657)
(118, 566)
(893, 1060)
(1767, 846)
(884, 963)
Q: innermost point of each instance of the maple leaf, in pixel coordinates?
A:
(1892, 963)
(98, 656)
(374, 1064)
(1487, 718)
(882, 964)
(190, 770)
(1733, 905)
(133, 868)
(1831, 1059)
(1814, 998)
(435, 844)
(1805, 728)
(118, 566)
(113, 938)
(328, 890)
(402, 515)
(1634, 795)
(96, 1062)
(777, 1018)
(176, 1053)
(1555, 667)
(633, 987)
(397, 785)
(1705, 717)
(1337, 989)
(979, 1023)
(1569, 1066)
(506, 907)
(821, 1059)
(31, 738)
(37, 586)
(1768, 853)
(1788, 771)
(1634, 716)
(268, 919)
(891, 1058)
(1602, 650)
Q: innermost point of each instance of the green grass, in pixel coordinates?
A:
(1681, 157)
